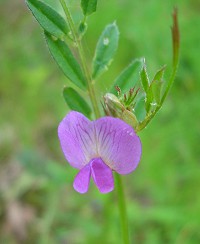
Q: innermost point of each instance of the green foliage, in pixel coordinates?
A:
(48, 18)
(75, 101)
(156, 85)
(152, 89)
(139, 109)
(162, 194)
(144, 78)
(129, 77)
(105, 49)
(82, 28)
(66, 61)
(88, 6)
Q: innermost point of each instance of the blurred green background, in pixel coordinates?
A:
(37, 200)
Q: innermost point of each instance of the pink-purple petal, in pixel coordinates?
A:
(102, 175)
(82, 179)
(76, 134)
(118, 145)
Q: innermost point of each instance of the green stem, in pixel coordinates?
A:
(82, 58)
(176, 47)
(122, 209)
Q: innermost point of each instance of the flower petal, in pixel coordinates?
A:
(82, 180)
(117, 144)
(102, 175)
(77, 139)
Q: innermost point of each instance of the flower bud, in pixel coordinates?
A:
(113, 107)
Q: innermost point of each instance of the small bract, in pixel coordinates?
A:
(97, 148)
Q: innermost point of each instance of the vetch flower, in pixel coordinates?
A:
(97, 148)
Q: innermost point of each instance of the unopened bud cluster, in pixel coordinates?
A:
(122, 106)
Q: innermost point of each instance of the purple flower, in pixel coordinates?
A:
(97, 148)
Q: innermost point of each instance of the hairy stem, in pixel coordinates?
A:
(82, 59)
(122, 209)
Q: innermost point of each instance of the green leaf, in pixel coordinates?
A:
(147, 88)
(105, 49)
(149, 98)
(157, 84)
(144, 78)
(159, 74)
(88, 6)
(153, 94)
(66, 61)
(129, 76)
(48, 18)
(82, 29)
(75, 101)
(139, 109)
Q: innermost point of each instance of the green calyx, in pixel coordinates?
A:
(114, 106)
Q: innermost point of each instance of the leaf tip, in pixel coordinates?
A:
(175, 33)
(114, 24)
